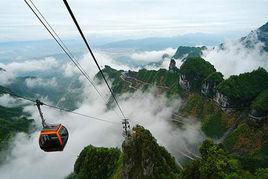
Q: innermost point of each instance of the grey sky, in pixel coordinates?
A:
(133, 18)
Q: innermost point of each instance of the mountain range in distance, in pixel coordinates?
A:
(40, 48)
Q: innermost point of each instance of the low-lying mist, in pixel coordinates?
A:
(154, 112)
(235, 58)
(145, 108)
(27, 160)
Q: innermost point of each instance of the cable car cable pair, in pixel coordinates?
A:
(50, 137)
(65, 50)
(126, 125)
(62, 45)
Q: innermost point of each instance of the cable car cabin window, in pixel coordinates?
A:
(43, 139)
(55, 143)
(63, 131)
(50, 142)
(63, 134)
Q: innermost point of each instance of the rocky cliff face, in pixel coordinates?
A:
(141, 157)
(144, 158)
(210, 83)
(172, 65)
(193, 72)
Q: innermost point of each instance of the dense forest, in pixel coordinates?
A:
(184, 52)
(260, 104)
(12, 121)
(242, 151)
(142, 157)
(244, 87)
(196, 70)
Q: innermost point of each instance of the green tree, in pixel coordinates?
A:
(262, 173)
(242, 89)
(196, 70)
(184, 51)
(95, 162)
(144, 158)
(214, 164)
(260, 104)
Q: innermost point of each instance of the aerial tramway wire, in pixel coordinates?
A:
(63, 46)
(125, 122)
(58, 108)
(93, 56)
(58, 42)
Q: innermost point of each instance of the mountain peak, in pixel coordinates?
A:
(141, 157)
(144, 158)
(256, 36)
(264, 28)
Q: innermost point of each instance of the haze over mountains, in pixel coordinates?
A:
(40, 48)
(256, 36)
(178, 119)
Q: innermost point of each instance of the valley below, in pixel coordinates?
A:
(188, 116)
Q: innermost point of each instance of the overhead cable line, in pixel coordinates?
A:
(56, 107)
(80, 114)
(93, 56)
(65, 49)
(59, 41)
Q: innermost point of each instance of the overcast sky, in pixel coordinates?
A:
(133, 18)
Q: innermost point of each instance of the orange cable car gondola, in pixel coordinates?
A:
(54, 137)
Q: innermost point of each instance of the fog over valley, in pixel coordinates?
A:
(124, 89)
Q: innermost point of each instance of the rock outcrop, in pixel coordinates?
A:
(193, 72)
(144, 158)
(239, 91)
(210, 83)
(172, 65)
(141, 157)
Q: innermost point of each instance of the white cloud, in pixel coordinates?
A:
(152, 56)
(87, 63)
(108, 58)
(39, 82)
(31, 65)
(154, 113)
(236, 59)
(12, 69)
(8, 101)
(146, 108)
(6, 77)
(164, 65)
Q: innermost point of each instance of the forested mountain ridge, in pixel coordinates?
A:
(141, 157)
(12, 121)
(184, 52)
(130, 81)
(233, 114)
(234, 125)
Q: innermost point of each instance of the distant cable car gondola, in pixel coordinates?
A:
(52, 137)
